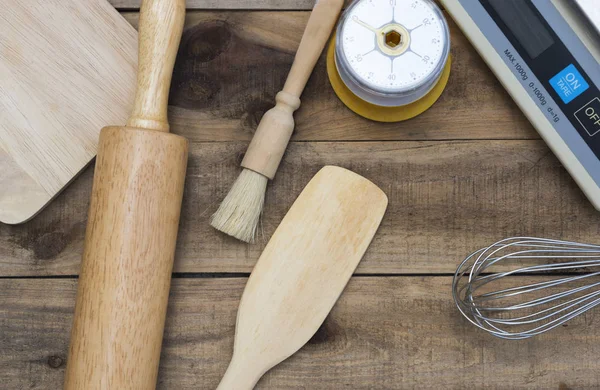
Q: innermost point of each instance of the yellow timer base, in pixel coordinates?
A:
(381, 113)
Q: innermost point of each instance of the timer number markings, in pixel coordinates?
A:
(378, 70)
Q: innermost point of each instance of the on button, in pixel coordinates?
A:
(589, 117)
(569, 83)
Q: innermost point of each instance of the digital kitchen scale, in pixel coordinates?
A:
(546, 53)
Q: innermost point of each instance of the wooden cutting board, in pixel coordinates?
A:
(67, 69)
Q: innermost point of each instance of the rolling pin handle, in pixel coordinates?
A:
(161, 26)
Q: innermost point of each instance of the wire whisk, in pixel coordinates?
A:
(520, 287)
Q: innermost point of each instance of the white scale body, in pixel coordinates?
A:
(546, 53)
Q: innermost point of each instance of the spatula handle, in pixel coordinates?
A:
(277, 125)
(240, 376)
(161, 25)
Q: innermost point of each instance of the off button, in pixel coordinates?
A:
(589, 117)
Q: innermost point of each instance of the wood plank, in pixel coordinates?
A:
(446, 200)
(232, 64)
(231, 4)
(303, 5)
(384, 333)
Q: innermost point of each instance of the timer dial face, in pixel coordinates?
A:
(375, 58)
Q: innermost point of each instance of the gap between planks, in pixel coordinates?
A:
(243, 275)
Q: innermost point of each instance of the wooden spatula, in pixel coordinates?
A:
(302, 271)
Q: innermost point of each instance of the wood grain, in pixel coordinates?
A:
(232, 64)
(384, 333)
(67, 69)
(446, 200)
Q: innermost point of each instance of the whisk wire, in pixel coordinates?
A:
(487, 300)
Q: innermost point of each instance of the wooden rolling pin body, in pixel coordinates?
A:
(132, 227)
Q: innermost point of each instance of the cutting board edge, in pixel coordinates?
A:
(9, 218)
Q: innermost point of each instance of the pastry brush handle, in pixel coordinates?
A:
(160, 29)
(277, 125)
(316, 34)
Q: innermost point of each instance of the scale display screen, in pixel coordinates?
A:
(524, 24)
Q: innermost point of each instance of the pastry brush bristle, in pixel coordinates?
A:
(239, 213)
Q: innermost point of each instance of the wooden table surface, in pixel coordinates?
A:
(468, 172)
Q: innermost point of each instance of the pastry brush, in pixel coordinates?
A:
(239, 213)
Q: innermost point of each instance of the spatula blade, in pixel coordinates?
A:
(303, 270)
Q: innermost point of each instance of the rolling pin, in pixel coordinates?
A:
(132, 225)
